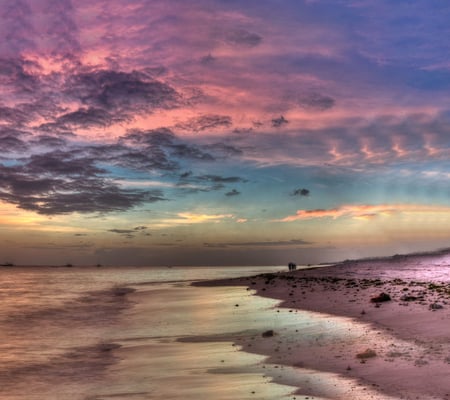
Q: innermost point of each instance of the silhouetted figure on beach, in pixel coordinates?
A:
(292, 266)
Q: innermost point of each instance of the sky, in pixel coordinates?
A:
(223, 132)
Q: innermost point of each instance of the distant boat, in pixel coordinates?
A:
(7, 264)
(69, 265)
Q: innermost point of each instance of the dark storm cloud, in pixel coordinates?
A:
(121, 91)
(23, 113)
(89, 117)
(163, 146)
(138, 150)
(98, 197)
(145, 160)
(301, 192)
(190, 152)
(293, 242)
(11, 143)
(61, 163)
(205, 122)
(154, 72)
(104, 152)
(17, 186)
(232, 192)
(76, 177)
(53, 128)
(277, 122)
(12, 140)
(153, 137)
(8, 130)
(14, 75)
(49, 141)
(59, 183)
(101, 97)
(13, 115)
(244, 38)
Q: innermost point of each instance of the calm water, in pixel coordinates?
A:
(112, 333)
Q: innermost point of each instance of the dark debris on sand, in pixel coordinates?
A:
(433, 295)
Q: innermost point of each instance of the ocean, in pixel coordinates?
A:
(143, 333)
(112, 333)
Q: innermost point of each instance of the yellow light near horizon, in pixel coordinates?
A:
(13, 219)
(11, 216)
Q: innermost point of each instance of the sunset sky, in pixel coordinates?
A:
(223, 132)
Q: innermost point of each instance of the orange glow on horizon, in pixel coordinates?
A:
(365, 212)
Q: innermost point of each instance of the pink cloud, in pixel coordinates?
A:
(364, 211)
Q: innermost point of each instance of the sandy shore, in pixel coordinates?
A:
(398, 348)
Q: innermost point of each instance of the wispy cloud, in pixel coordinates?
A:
(280, 243)
(131, 232)
(233, 192)
(244, 38)
(192, 218)
(355, 143)
(121, 231)
(205, 123)
(365, 212)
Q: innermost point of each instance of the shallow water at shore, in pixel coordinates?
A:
(145, 333)
(84, 333)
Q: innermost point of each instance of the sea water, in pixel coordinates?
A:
(112, 333)
(141, 333)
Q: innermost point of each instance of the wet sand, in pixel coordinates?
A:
(397, 311)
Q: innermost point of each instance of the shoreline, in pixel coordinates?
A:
(398, 347)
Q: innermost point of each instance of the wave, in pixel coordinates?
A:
(95, 306)
(79, 364)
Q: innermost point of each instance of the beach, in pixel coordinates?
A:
(385, 327)
(253, 333)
